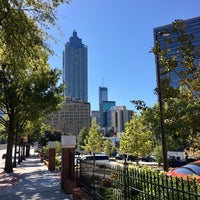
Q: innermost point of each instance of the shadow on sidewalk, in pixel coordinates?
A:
(33, 181)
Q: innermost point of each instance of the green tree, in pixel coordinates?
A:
(26, 99)
(182, 125)
(28, 87)
(94, 141)
(181, 112)
(157, 151)
(137, 139)
(108, 147)
(182, 120)
(81, 138)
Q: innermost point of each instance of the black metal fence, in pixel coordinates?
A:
(113, 182)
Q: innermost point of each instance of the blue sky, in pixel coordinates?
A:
(119, 36)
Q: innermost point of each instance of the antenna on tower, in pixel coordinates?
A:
(102, 82)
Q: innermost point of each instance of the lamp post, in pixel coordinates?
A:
(162, 124)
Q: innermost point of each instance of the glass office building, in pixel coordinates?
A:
(104, 107)
(75, 68)
(192, 27)
(103, 94)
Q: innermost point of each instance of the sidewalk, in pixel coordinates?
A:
(31, 180)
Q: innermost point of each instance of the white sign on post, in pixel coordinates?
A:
(52, 144)
(68, 141)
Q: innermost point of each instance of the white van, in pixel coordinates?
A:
(97, 157)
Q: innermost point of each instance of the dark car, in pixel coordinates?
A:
(120, 156)
(132, 158)
(190, 170)
(149, 158)
(174, 162)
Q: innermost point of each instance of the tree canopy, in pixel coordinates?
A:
(94, 141)
(81, 139)
(137, 139)
(28, 86)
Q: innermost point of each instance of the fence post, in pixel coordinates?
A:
(94, 167)
(125, 170)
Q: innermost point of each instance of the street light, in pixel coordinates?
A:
(162, 124)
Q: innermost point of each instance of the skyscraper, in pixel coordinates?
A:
(103, 97)
(117, 117)
(103, 94)
(75, 68)
(192, 27)
(104, 107)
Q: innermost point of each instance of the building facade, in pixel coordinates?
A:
(123, 116)
(192, 26)
(75, 68)
(117, 117)
(104, 107)
(73, 116)
(95, 114)
(103, 94)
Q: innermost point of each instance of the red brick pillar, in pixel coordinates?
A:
(68, 156)
(52, 156)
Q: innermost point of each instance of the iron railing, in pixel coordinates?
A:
(114, 182)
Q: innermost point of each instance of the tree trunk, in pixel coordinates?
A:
(8, 163)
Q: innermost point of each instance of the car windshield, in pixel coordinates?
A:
(189, 169)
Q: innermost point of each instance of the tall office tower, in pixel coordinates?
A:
(103, 94)
(160, 35)
(104, 107)
(75, 68)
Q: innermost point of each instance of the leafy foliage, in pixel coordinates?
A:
(108, 147)
(94, 141)
(28, 86)
(82, 137)
(137, 138)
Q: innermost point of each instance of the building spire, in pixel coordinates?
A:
(74, 33)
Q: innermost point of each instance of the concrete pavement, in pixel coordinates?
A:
(31, 180)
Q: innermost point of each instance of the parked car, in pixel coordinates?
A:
(176, 161)
(96, 157)
(132, 158)
(190, 170)
(120, 156)
(149, 158)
